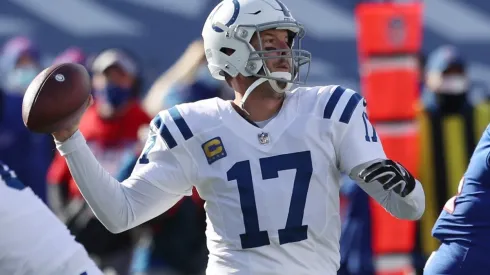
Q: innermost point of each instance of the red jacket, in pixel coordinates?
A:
(108, 140)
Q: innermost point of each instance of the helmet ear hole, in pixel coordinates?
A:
(227, 51)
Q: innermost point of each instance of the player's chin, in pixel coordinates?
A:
(282, 69)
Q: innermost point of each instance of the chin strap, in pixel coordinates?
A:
(249, 91)
(272, 82)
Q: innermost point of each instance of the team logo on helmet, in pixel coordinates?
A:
(284, 8)
(233, 18)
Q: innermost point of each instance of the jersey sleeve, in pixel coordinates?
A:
(357, 146)
(355, 138)
(163, 174)
(165, 162)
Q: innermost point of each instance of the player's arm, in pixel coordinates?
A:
(159, 180)
(361, 156)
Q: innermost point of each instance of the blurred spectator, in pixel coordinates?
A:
(27, 153)
(187, 80)
(71, 55)
(186, 63)
(20, 64)
(198, 85)
(110, 127)
(450, 124)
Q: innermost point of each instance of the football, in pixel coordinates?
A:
(56, 97)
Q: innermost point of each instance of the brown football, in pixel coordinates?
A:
(56, 97)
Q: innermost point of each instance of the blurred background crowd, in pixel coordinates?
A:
(429, 97)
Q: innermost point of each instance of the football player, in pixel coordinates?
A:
(32, 240)
(267, 163)
(464, 224)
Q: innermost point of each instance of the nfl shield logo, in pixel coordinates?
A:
(264, 138)
(397, 32)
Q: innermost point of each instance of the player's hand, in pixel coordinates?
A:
(390, 174)
(66, 133)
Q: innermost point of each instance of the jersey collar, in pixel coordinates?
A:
(248, 131)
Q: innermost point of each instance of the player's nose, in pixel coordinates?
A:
(282, 45)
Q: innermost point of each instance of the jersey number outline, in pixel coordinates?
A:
(374, 137)
(294, 231)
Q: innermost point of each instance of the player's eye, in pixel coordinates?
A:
(268, 41)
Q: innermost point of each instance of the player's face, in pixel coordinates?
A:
(274, 40)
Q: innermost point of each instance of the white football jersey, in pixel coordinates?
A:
(272, 193)
(32, 239)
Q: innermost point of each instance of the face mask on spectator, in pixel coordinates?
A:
(114, 95)
(454, 85)
(19, 79)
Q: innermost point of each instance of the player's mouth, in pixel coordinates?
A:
(282, 66)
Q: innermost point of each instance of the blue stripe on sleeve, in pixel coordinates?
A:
(164, 132)
(167, 136)
(180, 122)
(332, 102)
(350, 107)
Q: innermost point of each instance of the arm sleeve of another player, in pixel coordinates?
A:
(152, 189)
(359, 147)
